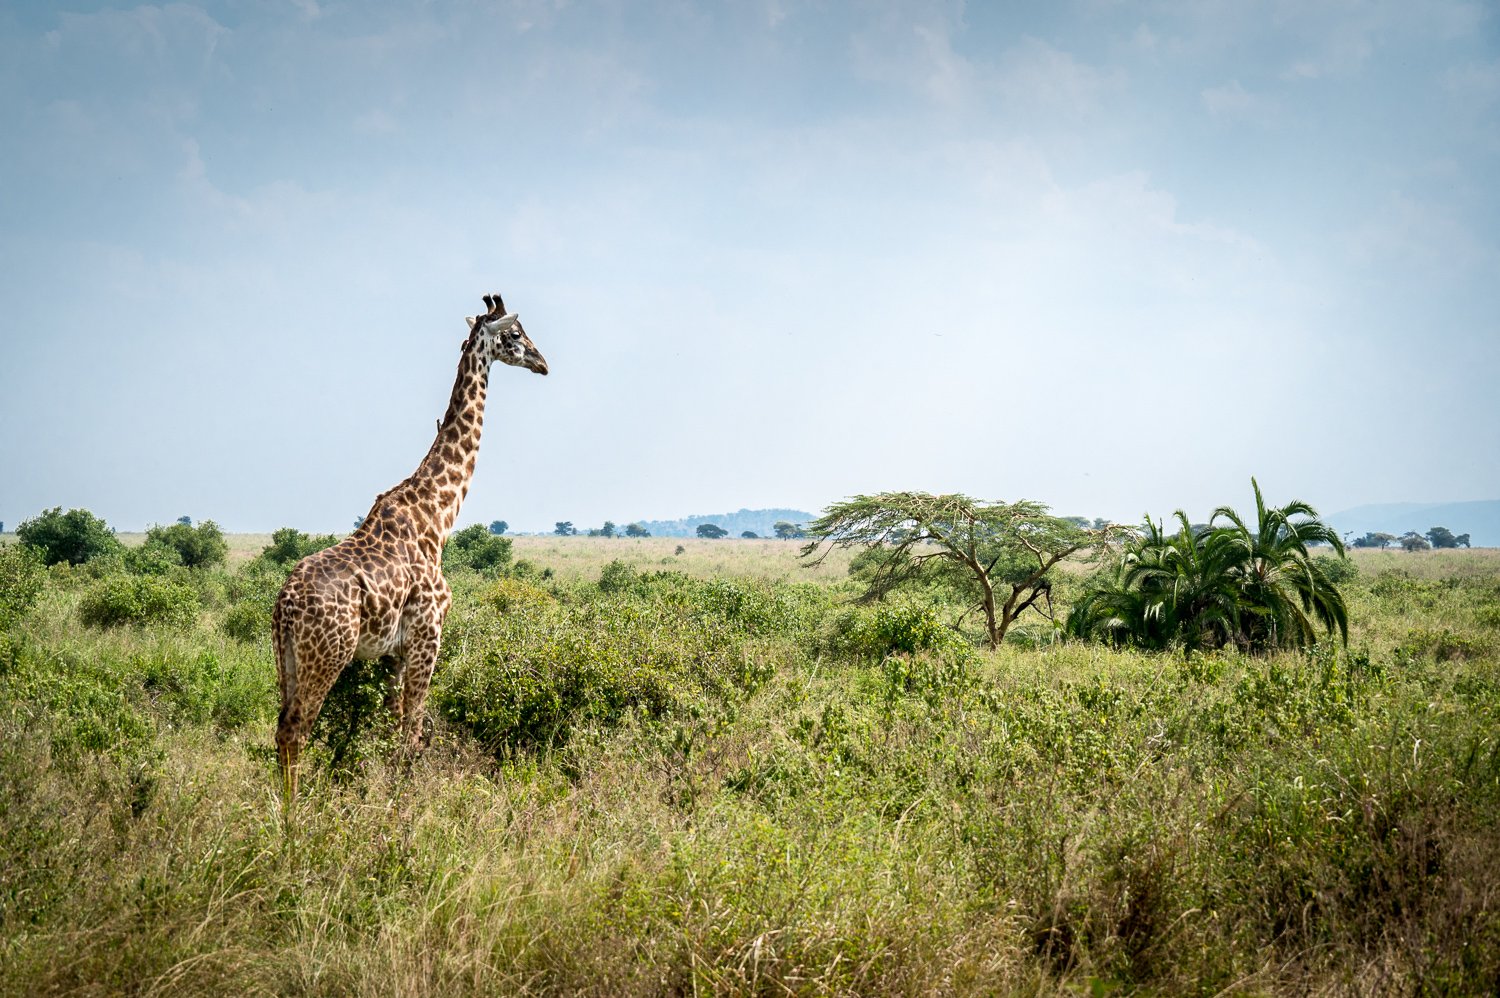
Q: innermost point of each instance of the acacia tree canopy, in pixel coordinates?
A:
(1013, 545)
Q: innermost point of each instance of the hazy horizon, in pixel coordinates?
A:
(1114, 257)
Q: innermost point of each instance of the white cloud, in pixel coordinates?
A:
(1234, 101)
(1048, 79)
(376, 122)
(1476, 84)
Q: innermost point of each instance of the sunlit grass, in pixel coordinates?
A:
(1046, 819)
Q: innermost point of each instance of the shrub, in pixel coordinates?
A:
(74, 537)
(513, 594)
(528, 669)
(247, 620)
(289, 546)
(475, 547)
(155, 557)
(1339, 571)
(197, 547)
(251, 594)
(139, 600)
(348, 723)
(889, 628)
(1443, 645)
(21, 580)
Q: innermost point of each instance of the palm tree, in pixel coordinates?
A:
(1223, 585)
(1167, 589)
(1279, 578)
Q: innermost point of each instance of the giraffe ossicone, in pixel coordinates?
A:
(380, 592)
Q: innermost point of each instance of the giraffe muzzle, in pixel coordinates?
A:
(533, 361)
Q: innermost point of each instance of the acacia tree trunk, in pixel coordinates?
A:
(995, 632)
(1015, 606)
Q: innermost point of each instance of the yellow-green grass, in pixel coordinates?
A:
(584, 557)
(1071, 822)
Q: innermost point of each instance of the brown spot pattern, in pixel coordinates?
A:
(380, 593)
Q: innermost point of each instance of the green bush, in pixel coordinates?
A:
(1339, 571)
(529, 675)
(139, 600)
(289, 546)
(354, 724)
(251, 594)
(155, 557)
(475, 547)
(74, 537)
(895, 628)
(529, 668)
(21, 582)
(756, 607)
(247, 621)
(202, 546)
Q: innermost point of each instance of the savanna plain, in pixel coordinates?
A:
(683, 767)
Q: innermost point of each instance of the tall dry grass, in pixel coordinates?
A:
(1048, 819)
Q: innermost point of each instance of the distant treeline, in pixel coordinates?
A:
(761, 521)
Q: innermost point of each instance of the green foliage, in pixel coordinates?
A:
(289, 546)
(1442, 537)
(73, 537)
(564, 528)
(527, 679)
(734, 786)
(1339, 571)
(750, 535)
(1252, 589)
(788, 531)
(968, 544)
(251, 597)
(1412, 541)
(202, 546)
(533, 668)
(896, 627)
(355, 724)
(155, 557)
(21, 581)
(1374, 540)
(711, 531)
(139, 600)
(636, 530)
(477, 548)
(499, 527)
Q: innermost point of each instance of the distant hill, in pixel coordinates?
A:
(762, 521)
(1480, 520)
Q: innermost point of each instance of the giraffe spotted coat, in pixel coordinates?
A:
(380, 593)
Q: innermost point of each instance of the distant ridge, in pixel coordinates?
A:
(762, 521)
(1480, 520)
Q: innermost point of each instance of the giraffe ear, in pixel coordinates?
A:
(470, 320)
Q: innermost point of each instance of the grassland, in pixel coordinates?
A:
(575, 558)
(729, 781)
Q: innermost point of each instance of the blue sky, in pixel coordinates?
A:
(1113, 256)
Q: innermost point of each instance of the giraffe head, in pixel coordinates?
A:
(497, 335)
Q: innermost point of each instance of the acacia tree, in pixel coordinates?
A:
(910, 530)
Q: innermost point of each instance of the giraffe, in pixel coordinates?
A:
(380, 592)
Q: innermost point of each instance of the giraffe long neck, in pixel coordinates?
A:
(449, 465)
